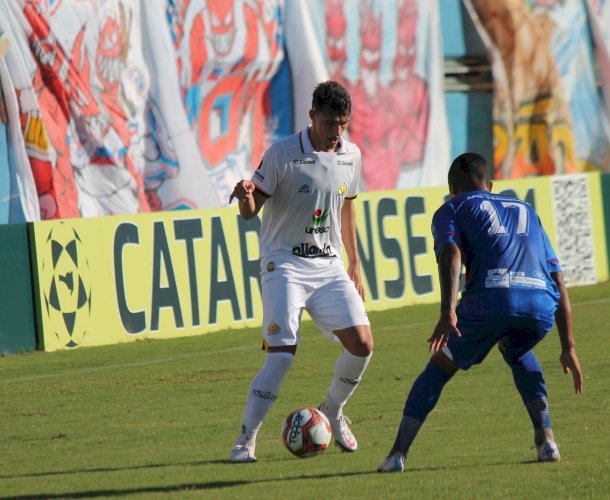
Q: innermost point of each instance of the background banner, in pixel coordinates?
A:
(115, 279)
(127, 106)
(121, 278)
(548, 117)
(389, 56)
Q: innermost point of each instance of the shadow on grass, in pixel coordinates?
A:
(210, 485)
(187, 487)
(106, 469)
(465, 466)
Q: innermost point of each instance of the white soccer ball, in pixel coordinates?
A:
(306, 432)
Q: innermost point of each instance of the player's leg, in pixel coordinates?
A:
(529, 381)
(347, 374)
(262, 393)
(462, 352)
(336, 307)
(421, 400)
(282, 306)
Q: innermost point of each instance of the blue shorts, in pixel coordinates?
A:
(518, 335)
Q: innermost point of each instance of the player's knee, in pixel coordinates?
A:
(279, 361)
(511, 358)
(358, 340)
(367, 345)
(362, 349)
(443, 362)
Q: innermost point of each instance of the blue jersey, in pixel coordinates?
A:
(506, 252)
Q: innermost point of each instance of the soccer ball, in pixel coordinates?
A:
(306, 432)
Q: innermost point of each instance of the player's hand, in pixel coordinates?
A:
(570, 363)
(243, 190)
(353, 271)
(446, 325)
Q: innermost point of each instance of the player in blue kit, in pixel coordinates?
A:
(514, 292)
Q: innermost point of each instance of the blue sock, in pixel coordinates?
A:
(529, 380)
(422, 398)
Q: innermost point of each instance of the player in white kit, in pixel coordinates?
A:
(308, 182)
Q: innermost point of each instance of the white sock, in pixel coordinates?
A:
(347, 375)
(263, 392)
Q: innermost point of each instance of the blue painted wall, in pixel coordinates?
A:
(470, 114)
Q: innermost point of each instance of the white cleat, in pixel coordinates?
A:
(242, 454)
(392, 463)
(548, 452)
(344, 438)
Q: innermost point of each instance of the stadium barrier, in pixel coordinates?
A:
(17, 327)
(605, 194)
(105, 280)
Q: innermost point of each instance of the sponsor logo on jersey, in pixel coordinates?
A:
(305, 189)
(317, 230)
(319, 217)
(258, 175)
(273, 328)
(342, 189)
(312, 251)
(497, 278)
(343, 163)
(303, 161)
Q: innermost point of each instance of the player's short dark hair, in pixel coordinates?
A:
(332, 98)
(469, 172)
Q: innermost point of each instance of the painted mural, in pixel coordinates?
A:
(126, 106)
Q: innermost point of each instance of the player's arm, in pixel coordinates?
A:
(563, 320)
(250, 198)
(348, 237)
(449, 271)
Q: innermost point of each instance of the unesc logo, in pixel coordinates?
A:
(317, 222)
(67, 294)
(319, 217)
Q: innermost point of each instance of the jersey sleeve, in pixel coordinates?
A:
(354, 187)
(266, 174)
(444, 228)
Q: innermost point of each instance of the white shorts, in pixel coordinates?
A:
(333, 304)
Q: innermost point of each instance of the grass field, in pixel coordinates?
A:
(157, 419)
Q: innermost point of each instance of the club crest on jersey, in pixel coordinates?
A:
(271, 266)
(342, 189)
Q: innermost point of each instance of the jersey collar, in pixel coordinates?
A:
(307, 146)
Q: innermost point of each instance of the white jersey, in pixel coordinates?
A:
(301, 221)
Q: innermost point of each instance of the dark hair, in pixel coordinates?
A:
(332, 98)
(469, 172)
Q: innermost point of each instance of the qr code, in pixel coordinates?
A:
(573, 228)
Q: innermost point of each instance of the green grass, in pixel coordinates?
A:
(157, 419)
